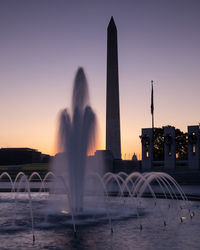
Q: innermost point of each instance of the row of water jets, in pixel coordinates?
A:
(121, 185)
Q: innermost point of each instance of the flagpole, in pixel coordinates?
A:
(153, 121)
(152, 104)
(152, 113)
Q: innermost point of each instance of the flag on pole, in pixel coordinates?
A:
(152, 105)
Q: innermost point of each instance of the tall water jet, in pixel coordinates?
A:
(76, 137)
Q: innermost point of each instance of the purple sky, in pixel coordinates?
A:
(42, 43)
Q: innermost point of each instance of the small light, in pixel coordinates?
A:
(64, 211)
(191, 214)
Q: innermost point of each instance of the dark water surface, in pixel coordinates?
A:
(57, 234)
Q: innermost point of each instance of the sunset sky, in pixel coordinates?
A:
(43, 42)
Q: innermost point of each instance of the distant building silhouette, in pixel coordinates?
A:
(15, 156)
(134, 158)
(113, 139)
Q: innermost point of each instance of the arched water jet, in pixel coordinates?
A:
(106, 195)
(108, 177)
(141, 182)
(36, 174)
(150, 178)
(18, 177)
(45, 178)
(24, 177)
(5, 174)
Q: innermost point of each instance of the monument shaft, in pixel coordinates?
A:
(113, 140)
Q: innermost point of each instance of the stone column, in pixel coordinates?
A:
(147, 148)
(169, 147)
(193, 147)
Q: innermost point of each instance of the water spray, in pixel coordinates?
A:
(33, 239)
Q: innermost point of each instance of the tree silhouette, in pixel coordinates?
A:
(158, 142)
(181, 144)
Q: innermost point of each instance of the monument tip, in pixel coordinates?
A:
(112, 22)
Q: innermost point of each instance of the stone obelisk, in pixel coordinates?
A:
(113, 139)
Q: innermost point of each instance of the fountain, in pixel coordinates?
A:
(76, 137)
(79, 196)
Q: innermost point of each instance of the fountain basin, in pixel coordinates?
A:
(57, 232)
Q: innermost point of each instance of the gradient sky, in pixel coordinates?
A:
(42, 43)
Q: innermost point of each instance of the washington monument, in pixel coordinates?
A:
(113, 139)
